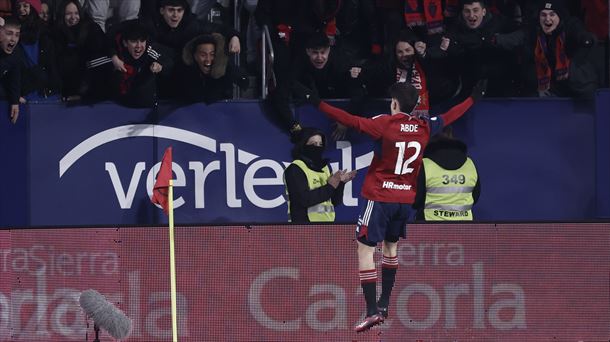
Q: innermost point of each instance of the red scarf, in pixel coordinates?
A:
(418, 80)
(127, 79)
(543, 69)
(452, 8)
(331, 31)
(425, 12)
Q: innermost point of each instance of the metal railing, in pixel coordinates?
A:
(266, 45)
(237, 8)
(268, 55)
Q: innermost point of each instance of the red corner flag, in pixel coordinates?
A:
(160, 190)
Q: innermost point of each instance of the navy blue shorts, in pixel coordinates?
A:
(380, 221)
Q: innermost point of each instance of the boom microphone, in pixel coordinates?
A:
(105, 315)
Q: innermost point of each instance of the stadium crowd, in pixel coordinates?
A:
(137, 52)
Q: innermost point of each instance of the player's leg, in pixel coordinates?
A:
(389, 266)
(368, 282)
(389, 262)
(369, 232)
(368, 276)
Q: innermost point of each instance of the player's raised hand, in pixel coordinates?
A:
(479, 90)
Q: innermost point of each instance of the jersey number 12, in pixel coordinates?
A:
(403, 168)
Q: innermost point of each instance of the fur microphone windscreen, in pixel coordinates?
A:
(105, 315)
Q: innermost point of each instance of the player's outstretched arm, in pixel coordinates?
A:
(456, 111)
(478, 91)
(372, 127)
(365, 125)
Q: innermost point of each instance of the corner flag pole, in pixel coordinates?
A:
(172, 260)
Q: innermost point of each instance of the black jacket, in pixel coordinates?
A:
(450, 154)
(42, 78)
(138, 86)
(473, 52)
(356, 22)
(76, 48)
(580, 44)
(10, 76)
(195, 86)
(297, 186)
(39, 72)
(189, 28)
(442, 81)
(301, 197)
(177, 38)
(332, 81)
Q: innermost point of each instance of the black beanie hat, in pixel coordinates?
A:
(301, 138)
(182, 3)
(407, 35)
(135, 30)
(554, 5)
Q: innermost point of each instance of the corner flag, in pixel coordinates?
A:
(163, 195)
(161, 188)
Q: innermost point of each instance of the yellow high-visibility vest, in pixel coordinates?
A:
(449, 192)
(321, 212)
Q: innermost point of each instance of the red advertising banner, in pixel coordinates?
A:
(475, 282)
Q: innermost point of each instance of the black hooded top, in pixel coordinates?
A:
(297, 186)
(450, 154)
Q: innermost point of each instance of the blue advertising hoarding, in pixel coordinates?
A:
(95, 165)
(104, 172)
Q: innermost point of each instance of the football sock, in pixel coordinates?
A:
(389, 265)
(368, 281)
